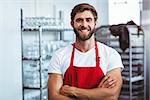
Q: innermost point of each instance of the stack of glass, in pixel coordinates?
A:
(35, 22)
(31, 74)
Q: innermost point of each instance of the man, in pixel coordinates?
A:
(87, 69)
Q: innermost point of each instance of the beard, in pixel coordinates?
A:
(84, 37)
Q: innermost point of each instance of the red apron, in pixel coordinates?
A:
(83, 77)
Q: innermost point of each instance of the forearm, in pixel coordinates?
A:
(96, 94)
(54, 85)
(58, 97)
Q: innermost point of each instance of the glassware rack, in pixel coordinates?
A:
(37, 50)
(134, 72)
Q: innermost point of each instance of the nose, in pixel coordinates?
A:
(84, 23)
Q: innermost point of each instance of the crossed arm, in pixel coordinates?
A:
(109, 88)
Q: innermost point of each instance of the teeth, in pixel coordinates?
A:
(84, 30)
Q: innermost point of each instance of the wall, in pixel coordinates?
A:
(102, 9)
(146, 4)
(10, 51)
(122, 11)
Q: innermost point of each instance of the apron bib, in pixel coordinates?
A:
(83, 77)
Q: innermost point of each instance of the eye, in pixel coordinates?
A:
(79, 20)
(88, 19)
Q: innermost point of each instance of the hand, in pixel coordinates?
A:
(107, 82)
(68, 91)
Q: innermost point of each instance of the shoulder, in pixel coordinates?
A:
(107, 53)
(109, 57)
(59, 59)
(103, 48)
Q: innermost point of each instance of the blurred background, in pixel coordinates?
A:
(31, 30)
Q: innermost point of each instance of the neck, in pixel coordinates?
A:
(84, 46)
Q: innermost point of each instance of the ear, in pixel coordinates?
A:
(96, 22)
(71, 23)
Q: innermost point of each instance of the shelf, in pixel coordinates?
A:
(36, 59)
(134, 73)
(36, 88)
(134, 86)
(34, 94)
(134, 79)
(33, 59)
(30, 29)
(46, 28)
(127, 97)
(31, 93)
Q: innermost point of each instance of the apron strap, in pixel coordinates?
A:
(97, 55)
(72, 55)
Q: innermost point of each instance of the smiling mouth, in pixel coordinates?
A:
(84, 30)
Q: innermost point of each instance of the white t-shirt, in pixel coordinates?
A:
(109, 59)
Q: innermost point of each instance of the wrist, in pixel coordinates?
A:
(81, 94)
(75, 91)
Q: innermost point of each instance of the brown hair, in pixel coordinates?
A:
(81, 8)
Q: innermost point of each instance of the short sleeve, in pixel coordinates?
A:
(114, 60)
(54, 66)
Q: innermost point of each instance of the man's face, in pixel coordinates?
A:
(84, 25)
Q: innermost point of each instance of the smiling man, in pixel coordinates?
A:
(87, 69)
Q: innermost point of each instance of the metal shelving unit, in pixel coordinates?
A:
(134, 73)
(34, 76)
(36, 53)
